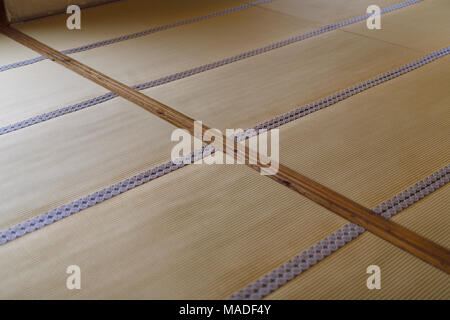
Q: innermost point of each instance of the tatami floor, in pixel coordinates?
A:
(211, 231)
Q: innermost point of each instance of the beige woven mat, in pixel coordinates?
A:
(12, 51)
(430, 217)
(199, 232)
(181, 48)
(119, 18)
(403, 276)
(255, 90)
(378, 143)
(424, 26)
(61, 160)
(42, 87)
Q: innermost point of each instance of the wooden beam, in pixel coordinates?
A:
(344, 207)
(354, 212)
(3, 17)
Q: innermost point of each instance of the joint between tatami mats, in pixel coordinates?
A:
(260, 6)
(382, 40)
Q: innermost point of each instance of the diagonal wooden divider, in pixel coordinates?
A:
(344, 207)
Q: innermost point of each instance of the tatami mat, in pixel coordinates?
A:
(119, 18)
(255, 90)
(59, 161)
(39, 88)
(377, 143)
(185, 47)
(12, 51)
(424, 26)
(201, 232)
(343, 275)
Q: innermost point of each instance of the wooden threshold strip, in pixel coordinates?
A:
(3, 17)
(337, 203)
